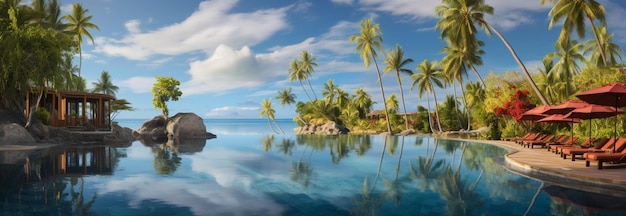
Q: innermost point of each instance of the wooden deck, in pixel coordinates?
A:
(546, 166)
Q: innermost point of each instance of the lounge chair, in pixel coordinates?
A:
(615, 158)
(600, 145)
(531, 137)
(514, 138)
(587, 142)
(542, 143)
(569, 142)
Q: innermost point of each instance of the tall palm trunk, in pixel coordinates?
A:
(311, 87)
(406, 117)
(382, 92)
(482, 82)
(305, 91)
(430, 121)
(467, 109)
(521, 65)
(595, 34)
(436, 108)
(33, 109)
(297, 115)
(456, 107)
(270, 124)
(276, 123)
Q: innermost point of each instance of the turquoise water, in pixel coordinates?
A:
(248, 171)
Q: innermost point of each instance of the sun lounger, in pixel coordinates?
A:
(568, 142)
(531, 137)
(615, 158)
(542, 141)
(514, 138)
(587, 142)
(600, 145)
(560, 139)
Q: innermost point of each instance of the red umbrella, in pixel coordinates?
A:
(609, 95)
(593, 112)
(565, 107)
(560, 118)
(534, 114)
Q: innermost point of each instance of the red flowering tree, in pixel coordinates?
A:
(518, 103)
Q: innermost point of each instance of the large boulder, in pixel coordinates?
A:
(160, 129)
(186, 125)
(14, 134)
(119, 134)
(329, 128)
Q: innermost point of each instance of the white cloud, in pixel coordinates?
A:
(138, 84)
(204, 30)
(342, 1)
(507, 13)
(232, 112)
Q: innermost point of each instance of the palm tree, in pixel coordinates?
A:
(460, 57)
(343, 98)
(395, 61)
(287, 98)
(296, 74)
(363, 101)
(612, 50)
(306, 63)
(392, 102)
(574, 13)
(458, 18)
(368, 42)
(430, 75)
(267, 110)
(549, 83)
(475, 94)
(454, 68)
(78, 24)
(567, 53)
(105, 85)
(329, 91)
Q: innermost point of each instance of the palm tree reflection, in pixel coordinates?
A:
(395, 188)
(426, 171)
(368, 204)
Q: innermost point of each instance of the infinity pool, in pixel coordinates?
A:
(247, 172)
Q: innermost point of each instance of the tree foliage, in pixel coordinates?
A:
(164, 90)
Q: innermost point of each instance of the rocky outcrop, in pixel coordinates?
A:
(119, 135)
(14, 134)
(329, 128)
(160, 129)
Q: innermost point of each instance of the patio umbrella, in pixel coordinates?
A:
(534, 114)
(593, 111)
(565, 107)
(560, 118)
(609, 95)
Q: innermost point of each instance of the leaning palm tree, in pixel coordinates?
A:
(79, 22)
(105, 85)
(611, 50)
(430, 75)
(574, 13)
(368, 42)
(267, 110)
(567, 54)
(306, 63)
(458, 18)
(296, 74)
(395, 61)
(287, 98)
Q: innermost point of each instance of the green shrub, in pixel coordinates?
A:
(43, 115)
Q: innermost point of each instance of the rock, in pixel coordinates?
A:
(59, 135)
(14, 134)
(38, 130)
(181, 126)
(186, 125)
(119, 135)
(407, 132)
(329, 128)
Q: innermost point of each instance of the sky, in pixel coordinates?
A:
(231, 54)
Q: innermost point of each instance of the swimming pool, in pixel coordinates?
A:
(245, 171)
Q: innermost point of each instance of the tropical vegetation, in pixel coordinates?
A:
(39, 46)
(495, 100)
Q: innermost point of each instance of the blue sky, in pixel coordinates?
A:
(230, 54)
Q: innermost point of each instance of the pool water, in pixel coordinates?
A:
(248, 171)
